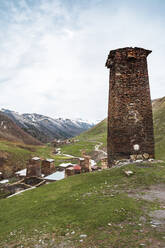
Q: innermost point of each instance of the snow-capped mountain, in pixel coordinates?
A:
(45, 128)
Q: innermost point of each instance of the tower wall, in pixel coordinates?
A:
(130, 124)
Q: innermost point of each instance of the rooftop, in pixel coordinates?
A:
(59, 175)
(65, 165)
(21, 172)
(50, 160)
(36, 158)
(77, 167)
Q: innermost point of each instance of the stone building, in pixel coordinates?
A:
(47, 166)
(130, 124)
(77, 169)
(85, 163)
(69, 171)
(34, 167)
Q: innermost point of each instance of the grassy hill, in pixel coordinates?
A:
(98, 205)
(159, 126)
(88, 140)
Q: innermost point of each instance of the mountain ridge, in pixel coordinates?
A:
(11, 132)
(46, 128)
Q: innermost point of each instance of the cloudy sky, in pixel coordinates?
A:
(53, 52)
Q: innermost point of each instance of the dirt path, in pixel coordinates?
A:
(156, 193)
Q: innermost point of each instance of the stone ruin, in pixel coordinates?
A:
(130, 123)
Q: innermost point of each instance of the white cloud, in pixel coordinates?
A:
(52, 57)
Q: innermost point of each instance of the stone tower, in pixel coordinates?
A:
(130, 124)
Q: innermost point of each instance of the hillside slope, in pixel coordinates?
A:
(11, 132)
(101, 209)
(45, 128)
(159, 126)
(88, 140)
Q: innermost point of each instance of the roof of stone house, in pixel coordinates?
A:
(59, 175)
(65, 165)
(70, 168)
(4, 181)
(77, 167)
(21, 172)
(50, 160)
(36, 158)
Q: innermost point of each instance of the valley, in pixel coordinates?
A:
(95, 209)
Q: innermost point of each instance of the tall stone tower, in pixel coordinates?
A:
(130, 124)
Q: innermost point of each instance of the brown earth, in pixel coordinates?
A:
(11, 132)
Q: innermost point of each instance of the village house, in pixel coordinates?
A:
(70, 171)
(34, 167)
(47, 166)
(85, 163)
(77, 169)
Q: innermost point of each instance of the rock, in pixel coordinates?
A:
(146, 155)
(139, 161)
(128, 173)
(83, 236)
(139, 156)
(133, 157)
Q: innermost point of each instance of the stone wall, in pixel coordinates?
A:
(34, 168)
(47, 167)
(130, 124)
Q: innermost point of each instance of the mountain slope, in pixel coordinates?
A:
(11, 132)
(159, 126)
(45, 128)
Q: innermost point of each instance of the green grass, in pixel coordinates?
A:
(159, 131)
(16, 155)
(84, 203)
(88, 140)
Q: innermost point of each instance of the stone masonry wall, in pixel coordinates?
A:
(130, 124)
